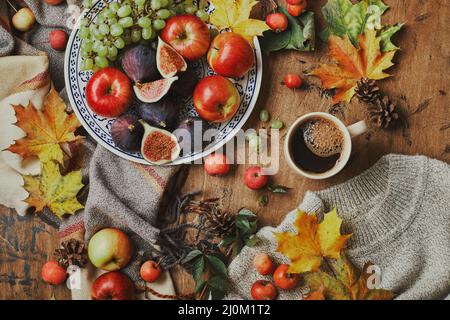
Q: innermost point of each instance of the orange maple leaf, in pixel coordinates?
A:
(352, 64)
(45, 130)
(313, 242)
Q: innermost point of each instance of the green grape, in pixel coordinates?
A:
(164, 3)
(92, 28)
(126, 22)
(88, 64)
(135, 36)
(119, 43)
(114, 6)
(85, 33)
(100, 19)
(140, 2)
(108, 14)
(112, 52)
(159, 24)
(102, 51)
(155, 4)
(98, 35)
(84, 54)
(190, 9)
(96, 45)
(163, 13)
(144, 22)
(124, 11)
(103, 28)
(101, 62)
(203, 15)
(116, 30)
(87, 45)
(147, 33)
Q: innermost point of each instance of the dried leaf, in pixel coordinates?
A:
(45, 130)
(313, 241)
(352, 64)
(54, 191)
(316, 295)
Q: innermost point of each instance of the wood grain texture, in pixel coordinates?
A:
(420, 85)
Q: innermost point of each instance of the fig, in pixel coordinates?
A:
(162, 114)
(159, 146)
(127, 132)
(168, 61)
(139, 63)
(185, 85)
(153, 91)
(189, 133)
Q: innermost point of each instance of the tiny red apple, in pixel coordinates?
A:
(23, 19)
(58, 40)
(292, 81)
(263, 264)
(230, 55)
(278, 22)
(150, 271)
(294, 2)
(263, 290)
(109, 92)
(54, 2)
(254, 178)
(296, 10)
(112, 286)
(217, 164)
(216, 99)
(53, 273)
(188, 35)
(283, 279)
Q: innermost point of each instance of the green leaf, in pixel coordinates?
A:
(191, 255)
(263, 200)
(227, 241)
(252, 241)
(216, 265)
(386, 35)
(199, 285)
(218, 286)
(245, 213)
(275, 41)
(237, 247)
(198, 268)
(279, 189)
(243, 225)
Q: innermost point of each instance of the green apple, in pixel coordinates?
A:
(110, 249)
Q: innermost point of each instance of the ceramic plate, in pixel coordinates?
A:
(98, 127)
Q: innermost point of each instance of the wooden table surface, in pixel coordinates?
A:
(420, 85)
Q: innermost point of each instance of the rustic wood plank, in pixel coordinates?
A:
(420, 84)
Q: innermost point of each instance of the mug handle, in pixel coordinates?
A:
(357, 128)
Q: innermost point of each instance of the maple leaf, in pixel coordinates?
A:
(345, 282)
(313, 241)
(316, 295)
(53, 190)
(234, 15)
(45, 130)
(352, 64)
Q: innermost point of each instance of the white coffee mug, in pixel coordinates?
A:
(348, 133)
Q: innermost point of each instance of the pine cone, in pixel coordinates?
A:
(72, 252)
(219, 223)
(367, 90)
(383, 112)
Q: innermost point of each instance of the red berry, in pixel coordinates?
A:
(54, 2)
(53, 273)
(217, 164)
(150, 271)
(292, 81)
(58, 40)
(254, 178)
(294, 2)
(296, 10)
(278, 22)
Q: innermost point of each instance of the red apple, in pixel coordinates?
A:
(216, 99)
(217, 164)
(112, 286)
(58, 40)
(150, 271)
(53, 273)
(263, 290)
(188, 35)
(283, 279)
(54, 2)
(230, 55)
(110, 249)
(254, 178)
(263, 264)
(109, 92)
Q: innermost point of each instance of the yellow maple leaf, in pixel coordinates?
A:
(53, 190)
(45, 130)
(352, 64)
(235, 16)
(313, 242)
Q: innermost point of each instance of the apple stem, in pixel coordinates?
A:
(14, 8)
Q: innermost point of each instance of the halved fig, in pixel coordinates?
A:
(153, 91)
(168, 61)
(159, 146)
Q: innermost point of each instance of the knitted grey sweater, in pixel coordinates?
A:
(399, 214)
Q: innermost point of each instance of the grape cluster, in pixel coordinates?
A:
(124, 22)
